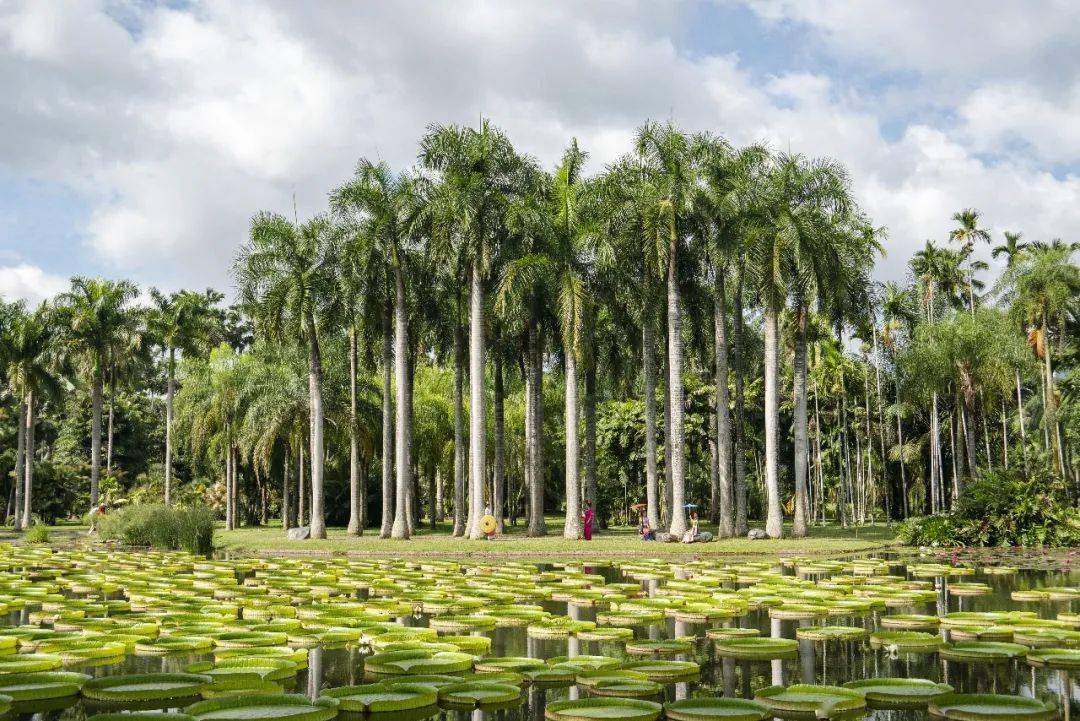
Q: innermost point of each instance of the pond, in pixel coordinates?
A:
(655, 631)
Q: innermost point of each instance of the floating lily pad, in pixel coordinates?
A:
(757, 648)
(478, 694)
(509, 663)
(663, 671)
(811, 701)
(258, 707)
(899, 693)
(725, 632)
(610, 709)
(395, 663)
(906, 641)
(1058, 658)
(707, 709)
(830, 633)
(146, 686)
(43, 685)
(662, 647)
(174, 644)
(983, 651)
(29, 663)
(383, 697)
(980, 706)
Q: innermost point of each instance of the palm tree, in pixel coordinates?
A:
(96, 316)
(1041, 289)
(966, 233)
(730, 176)
(562, 271)
(1012, 248)
(187, 322)
(285, 275)
(29, 357)
(794, 245)
(479, 172)
(668, 161)
(382, 208)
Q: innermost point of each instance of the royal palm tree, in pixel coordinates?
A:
(382, 208)
(96, 316)
(187, 322)
(480, 172)
(562, 271)
(31, 367)
(966, 233)
(1012, 248)
(669, 165)
(285, 275)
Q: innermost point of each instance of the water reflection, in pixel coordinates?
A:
(829, 662)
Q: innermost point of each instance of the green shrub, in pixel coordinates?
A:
(1002, 508)
(37, 533)
(190, 529)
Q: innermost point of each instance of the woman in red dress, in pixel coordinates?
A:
(587, 519)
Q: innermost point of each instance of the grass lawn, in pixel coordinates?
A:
(619, 542)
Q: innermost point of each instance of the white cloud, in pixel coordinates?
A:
(28, 282)
(177, 132)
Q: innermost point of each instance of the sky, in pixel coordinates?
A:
(138, 138)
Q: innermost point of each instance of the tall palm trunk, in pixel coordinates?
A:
(288, 520)
(112, 416)
(356, 524)
(28, 484)
(665, 509)
(589, 417)
(477, 416)
(739, 363)
(315, 375)
(498, 471)
(1050, 412)
(572, 524)
(676, 431)
(301, 493)
(723, 417)
(652, 489)
(802, 444)
(387, 428)
(459, 430)
(774, 520)
(170, 392)
(95, 434)
(402, 462)
(229, 481)
(537, 523)
(20, 464)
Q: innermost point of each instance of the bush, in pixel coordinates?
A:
(37, 534)
(1002, 508)
(190, 529)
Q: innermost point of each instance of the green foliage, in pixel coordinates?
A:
(189, 529)
(37, 533)
(1002, 508)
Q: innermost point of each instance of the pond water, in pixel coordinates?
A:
(816, 662)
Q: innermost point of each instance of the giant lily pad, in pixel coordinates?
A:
(398, 663)
(610, 709)
(983, 651)
(708, 709)
(257, 707)
(663, 671)
(980, 707)
(757, 648)
(899, 693)
(478, 694)
(146, 686)
(383, 697)
(43, 685)
(808, 701)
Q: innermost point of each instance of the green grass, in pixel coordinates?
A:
(611, 543)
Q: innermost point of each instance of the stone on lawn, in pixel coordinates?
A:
(757, 534)
(299, 534)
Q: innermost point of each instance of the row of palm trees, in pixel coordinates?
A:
(742, 268)
(524, 260)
